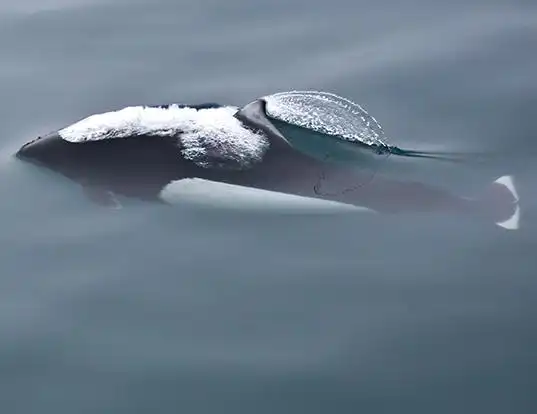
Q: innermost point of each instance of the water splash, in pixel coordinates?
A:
(334, 116)
(334, 130)
(327, 114)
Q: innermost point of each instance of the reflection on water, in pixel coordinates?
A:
(151, 308)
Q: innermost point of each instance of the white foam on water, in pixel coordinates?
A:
(326, 113)
(206, 136)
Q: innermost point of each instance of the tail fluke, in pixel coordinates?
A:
(500, 201)
(507, 184)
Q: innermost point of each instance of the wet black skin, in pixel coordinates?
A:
(141, 166)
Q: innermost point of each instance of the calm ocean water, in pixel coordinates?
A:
(155, 310)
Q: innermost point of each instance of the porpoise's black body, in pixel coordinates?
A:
(140, 166)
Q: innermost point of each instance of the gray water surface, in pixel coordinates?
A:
(153, 310)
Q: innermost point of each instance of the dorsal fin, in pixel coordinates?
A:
(254, 116)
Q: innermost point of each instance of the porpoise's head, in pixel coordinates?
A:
(53, 152)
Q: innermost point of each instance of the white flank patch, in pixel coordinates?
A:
(235, 197)
(209, 137)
